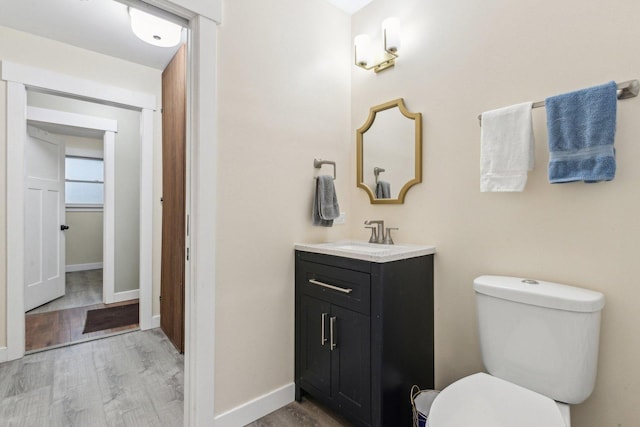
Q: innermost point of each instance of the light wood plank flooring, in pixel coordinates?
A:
(133, 379)
(81, 288)
(307, 413)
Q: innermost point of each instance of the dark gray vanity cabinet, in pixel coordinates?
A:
(364, 334)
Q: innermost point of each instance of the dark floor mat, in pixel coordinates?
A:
(111, 317)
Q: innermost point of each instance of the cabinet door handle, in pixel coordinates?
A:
(323, 338)
(335, 288)
(332, 333)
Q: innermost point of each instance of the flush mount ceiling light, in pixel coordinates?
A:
(364, 55)
(154, 30)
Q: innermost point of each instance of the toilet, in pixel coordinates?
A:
(539, 343)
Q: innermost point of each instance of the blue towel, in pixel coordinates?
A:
(582, 126)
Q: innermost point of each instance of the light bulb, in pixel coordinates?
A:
(362, 44)
(154, 30)
(391, 32)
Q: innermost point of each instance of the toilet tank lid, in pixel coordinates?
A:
(540, 293)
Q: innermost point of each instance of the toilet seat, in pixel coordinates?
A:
(481, 400)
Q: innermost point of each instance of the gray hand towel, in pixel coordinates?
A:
(383, 190)
(325, 202)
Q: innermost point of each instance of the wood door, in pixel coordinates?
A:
(44, 245)
(173, 199)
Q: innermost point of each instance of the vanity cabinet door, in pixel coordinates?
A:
(351, 362)
(315, 351)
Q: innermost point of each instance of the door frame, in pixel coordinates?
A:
(19, 78)
(203, 16)
(109, 128)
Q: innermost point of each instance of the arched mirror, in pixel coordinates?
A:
(389, 152)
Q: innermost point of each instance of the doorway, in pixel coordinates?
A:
(85, 267)
(200, 285)
(18, 79)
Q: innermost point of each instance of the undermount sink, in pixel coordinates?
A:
(369, 248)
(367, 251)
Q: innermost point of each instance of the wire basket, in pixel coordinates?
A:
(421, 401)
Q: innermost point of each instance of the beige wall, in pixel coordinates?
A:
(83, 238)
(464, 57)
(283, 100)
(30, 50)
(3, 216)
(127, 180)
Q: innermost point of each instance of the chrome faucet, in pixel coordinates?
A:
(377, 232)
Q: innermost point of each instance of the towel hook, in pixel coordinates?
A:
(376, 171)
(317, 163)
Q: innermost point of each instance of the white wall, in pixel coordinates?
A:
(461, 58)
(283, 100)
(40, 52)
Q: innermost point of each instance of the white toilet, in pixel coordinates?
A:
(539, 343)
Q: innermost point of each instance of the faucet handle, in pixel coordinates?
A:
(374, 235)
(387, 237)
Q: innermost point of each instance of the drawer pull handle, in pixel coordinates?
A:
(332, 333)
(323, 338)
(335, 288)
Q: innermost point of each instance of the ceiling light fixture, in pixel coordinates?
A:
(362, 47)
(154, 30)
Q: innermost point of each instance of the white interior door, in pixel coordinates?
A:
(44, 243)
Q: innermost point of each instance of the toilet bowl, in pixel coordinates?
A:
(539, 343)
(481, 400)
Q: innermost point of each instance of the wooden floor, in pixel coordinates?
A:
(308, 413)
(61, 321)
(55, 328)
(134, 379)
(82, 288)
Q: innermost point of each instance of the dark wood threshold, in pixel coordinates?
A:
(64, 327)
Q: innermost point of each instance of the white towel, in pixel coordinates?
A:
(507, 148)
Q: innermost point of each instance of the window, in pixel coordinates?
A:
(84, 182)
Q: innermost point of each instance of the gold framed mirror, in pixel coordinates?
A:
(389, 152)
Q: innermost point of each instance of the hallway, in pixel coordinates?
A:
(134, 379)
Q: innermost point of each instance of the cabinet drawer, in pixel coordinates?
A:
(340, 286)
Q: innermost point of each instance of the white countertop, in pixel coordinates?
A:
(372, 252)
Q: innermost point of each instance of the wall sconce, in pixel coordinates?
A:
(364, 55)
(154, 30)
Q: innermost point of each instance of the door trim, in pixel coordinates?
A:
(202, 140)
(19, 78)
(109, 127)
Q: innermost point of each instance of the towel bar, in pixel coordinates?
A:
(376, 172)
(317, 163)
(628, 89)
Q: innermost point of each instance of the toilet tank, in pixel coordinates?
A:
(541, 335)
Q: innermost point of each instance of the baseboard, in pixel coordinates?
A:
(155, 321)
(4, 354)
(126, 295)
(83, 267)
(256, 408)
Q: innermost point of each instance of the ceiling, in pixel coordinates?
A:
(350, 6)
(98, 25)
